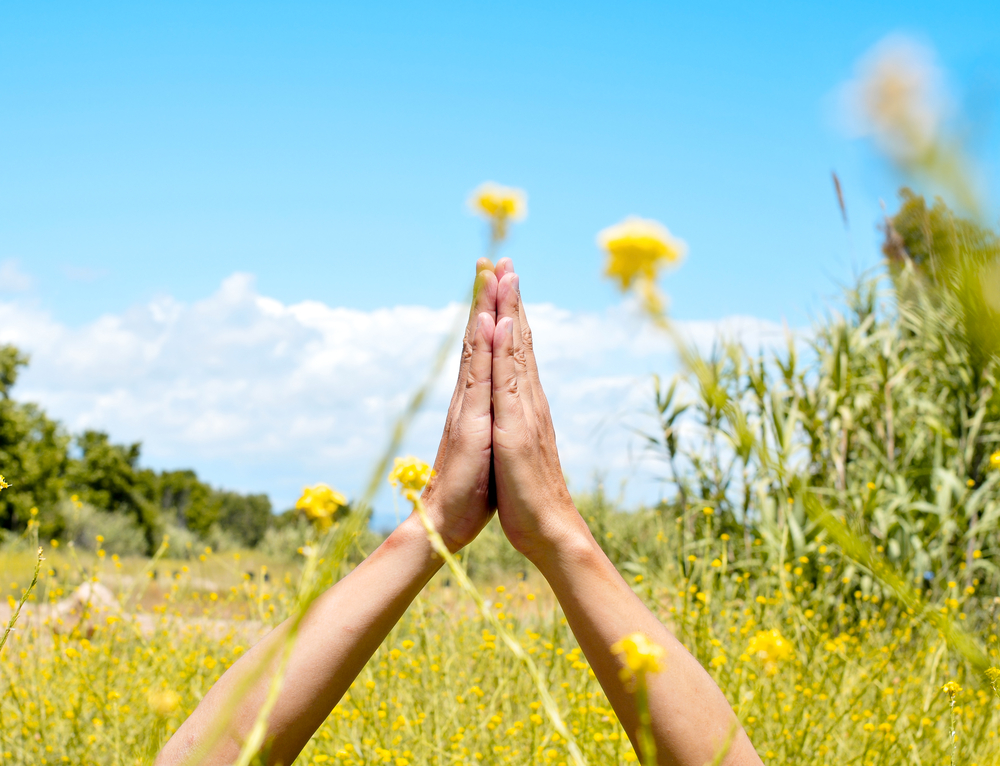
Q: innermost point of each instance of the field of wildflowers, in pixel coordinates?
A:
(828, 552)
(816, 673)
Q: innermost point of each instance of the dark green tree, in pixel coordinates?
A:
(191, 503)
(107, 476)
(245, 517)
(33, 455)
(35, 459)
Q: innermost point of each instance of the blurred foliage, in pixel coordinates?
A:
(84, 485)
(957, 259)
(890, 412)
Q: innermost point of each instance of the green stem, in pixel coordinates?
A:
(24, 596)
(646, 742)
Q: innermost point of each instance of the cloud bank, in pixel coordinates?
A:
(261, 396)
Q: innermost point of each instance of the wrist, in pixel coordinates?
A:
(456, 528)
(563, 543)
(410, 535)
(576, 553)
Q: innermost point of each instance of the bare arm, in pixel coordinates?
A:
(345, 625)
(690, 716)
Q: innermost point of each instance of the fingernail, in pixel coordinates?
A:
(516, 282)
(510, 327)
(479, 322)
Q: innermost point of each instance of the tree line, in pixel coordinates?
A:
(53, 473)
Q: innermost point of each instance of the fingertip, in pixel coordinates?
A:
(484, 264)
(508, 328)
(485, 324)
(485, 290)
(504, 266)
(502, 332)
(507, 294)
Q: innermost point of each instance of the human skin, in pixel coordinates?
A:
(342, 628)
(690, 717)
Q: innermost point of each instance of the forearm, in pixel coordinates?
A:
(338, 635)
(690, 717)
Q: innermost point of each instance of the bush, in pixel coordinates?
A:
(890, 421)
(121, 534)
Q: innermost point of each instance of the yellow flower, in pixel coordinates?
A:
(994, 675)
(640, 655)
(995, 460)
(770, 647)
(3, 484)
(320, 503)
(951, 688)
(499, 205)
(637, 249)
(163, 702)
(410, 473)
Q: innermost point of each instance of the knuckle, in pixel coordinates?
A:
(471, 381)
(467, 349)
(526, 336)
(510, 385)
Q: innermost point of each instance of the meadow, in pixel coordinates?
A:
(858, 679)
(827, 550)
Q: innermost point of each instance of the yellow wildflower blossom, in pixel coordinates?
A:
(321, 503)
(770, 647)
(995, 460)
(994, 675)
(163, 702)
(640, 655)
(637, 249)
(410, 473)
(499, 205)
(3, 484)
(951, 688)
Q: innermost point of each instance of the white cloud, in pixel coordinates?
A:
(82, 273)
(262, 396)
(12, 279)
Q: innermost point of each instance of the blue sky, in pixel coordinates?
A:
(151, 150)
(327, 147)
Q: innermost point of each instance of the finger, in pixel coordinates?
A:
(484, 300)
(504, 266)
(539, 399)
(508, 411)
(479, 382)
(484, 294)
(508, 304)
